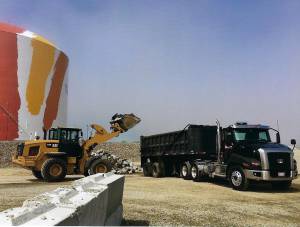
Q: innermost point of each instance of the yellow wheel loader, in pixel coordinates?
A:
(63, 151)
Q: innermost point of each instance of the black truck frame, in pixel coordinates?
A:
(241, 153)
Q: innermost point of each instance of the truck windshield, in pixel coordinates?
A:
(252, 135)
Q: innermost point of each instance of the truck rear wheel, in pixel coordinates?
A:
(237, 179)
(147, 170)
(100, 166)
(54, 169)
(195, 173)
(185, 170)
(37, 174)
(157, 170)
(281, 185)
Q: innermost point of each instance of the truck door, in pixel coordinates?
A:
(69, 143)
(228, 143)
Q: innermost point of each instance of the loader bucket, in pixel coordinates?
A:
(125, 121)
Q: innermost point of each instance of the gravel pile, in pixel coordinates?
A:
(129, 151)
(119, 165)
(7, 149)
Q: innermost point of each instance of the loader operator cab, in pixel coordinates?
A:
(68, 140)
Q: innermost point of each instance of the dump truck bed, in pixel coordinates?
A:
(197, 140)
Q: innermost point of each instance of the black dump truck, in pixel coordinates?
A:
(241, 153)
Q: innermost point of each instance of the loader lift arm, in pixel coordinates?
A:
(101, 135)
(119, 123)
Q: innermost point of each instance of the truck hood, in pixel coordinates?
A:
(252, 150)
(269, 146)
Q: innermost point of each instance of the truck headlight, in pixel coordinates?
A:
(252, 165)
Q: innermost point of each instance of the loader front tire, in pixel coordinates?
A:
(100, 166)
(37, 174)
(54, 169)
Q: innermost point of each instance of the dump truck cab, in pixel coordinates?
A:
(251, 148)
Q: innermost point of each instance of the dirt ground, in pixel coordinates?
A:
(173, 201)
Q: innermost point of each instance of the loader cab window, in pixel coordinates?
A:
(69, 142)
(53, 134)
(69, 135)
(63, 135)
(74, 136)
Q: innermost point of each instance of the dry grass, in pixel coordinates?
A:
(172, 201)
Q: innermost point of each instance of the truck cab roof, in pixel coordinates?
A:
(78, 129)
(245, 125)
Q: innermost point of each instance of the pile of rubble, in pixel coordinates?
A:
(7, 149)
(119, 165)
(123, 150)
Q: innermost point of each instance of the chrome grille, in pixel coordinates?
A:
(279, 162)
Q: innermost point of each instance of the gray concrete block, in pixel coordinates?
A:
(115, 184)
(94, 200)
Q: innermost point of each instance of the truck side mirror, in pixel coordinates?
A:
(293, 142)
(277, 137)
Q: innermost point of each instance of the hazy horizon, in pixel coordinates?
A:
(174, 62)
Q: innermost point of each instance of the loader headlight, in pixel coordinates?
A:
(52, 145)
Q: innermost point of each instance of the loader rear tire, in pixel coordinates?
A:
(54, 169)
(37, 174)
(100, 166)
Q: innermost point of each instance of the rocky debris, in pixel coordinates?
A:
(129, 151)
(7, 149)
(119, 165)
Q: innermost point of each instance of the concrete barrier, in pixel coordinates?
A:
(93, 200)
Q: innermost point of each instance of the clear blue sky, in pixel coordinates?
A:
(174, 62)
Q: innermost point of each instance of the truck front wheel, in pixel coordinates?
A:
(237, 179)
(281, 185)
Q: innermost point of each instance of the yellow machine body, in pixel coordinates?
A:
(36, 154)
